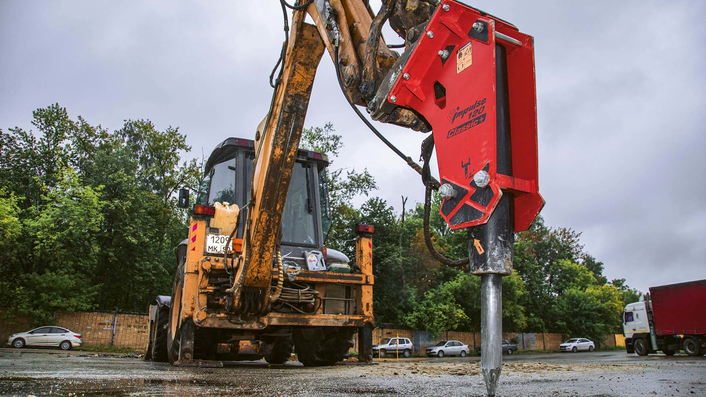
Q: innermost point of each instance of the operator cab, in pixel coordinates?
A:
(306, 220)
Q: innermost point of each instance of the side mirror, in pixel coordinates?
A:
(183, 198)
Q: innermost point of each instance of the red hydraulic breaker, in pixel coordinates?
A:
(471, 76)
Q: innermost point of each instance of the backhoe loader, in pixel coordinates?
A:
(253, 277)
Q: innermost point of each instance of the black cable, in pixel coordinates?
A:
(284, 48)
(427, 236)
(296, 7)
(429, 181)
(403, 45)
(407, 159)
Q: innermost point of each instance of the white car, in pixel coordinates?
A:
(394, 346)
(46, 336)
(448, 348)
(576, 344)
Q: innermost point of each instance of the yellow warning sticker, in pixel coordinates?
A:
(464, 58)
(479, 248)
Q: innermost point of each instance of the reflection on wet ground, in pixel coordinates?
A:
(608, 374)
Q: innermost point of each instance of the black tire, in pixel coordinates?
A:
(383, 353)
(278, 350)
(65, 345)
(574, 349)
(640, 346)
(509, 352)
(463, 353)
(406, 353)
(174, 328)
(441, 354)
(590, 348)
(320, 346)
(18, 343)
(159, 341)
(692, 346)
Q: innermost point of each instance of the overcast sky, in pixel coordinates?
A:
(621, 96)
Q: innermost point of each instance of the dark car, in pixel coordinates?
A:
(508, 347)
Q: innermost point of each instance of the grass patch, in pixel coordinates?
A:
(109, 349)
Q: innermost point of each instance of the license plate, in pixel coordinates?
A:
(216, 243)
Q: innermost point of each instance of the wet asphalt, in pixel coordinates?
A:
(49, 372)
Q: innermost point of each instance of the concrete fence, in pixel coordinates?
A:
(524, 341)
(131, 331)
(97, 329)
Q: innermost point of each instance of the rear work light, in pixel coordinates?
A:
(204, 210)
(370, 229)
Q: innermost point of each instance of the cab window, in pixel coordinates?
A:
(298, 218)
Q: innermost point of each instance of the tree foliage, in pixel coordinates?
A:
(86, 212)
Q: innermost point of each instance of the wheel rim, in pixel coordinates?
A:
(65, 345)
(441, 354)
(18, 343)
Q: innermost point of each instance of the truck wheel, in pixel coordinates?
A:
(319, 346)
(278, 350)
(640, 346)
(159, 336)
(692, 346)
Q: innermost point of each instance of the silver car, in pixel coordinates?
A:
(46, 336)
(576, 344)
(448, 348)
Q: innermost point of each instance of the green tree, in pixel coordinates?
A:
(593, 312)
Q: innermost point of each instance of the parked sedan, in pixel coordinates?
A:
(46, 336)
(576, 344)
(508, 347)
(448, 348)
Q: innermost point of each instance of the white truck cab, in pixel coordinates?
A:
(635, 319)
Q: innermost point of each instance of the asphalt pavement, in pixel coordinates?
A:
(613, 373)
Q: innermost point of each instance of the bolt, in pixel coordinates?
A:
(405, 76)
(478, 26)
(445, 7)
(430, 34)
(393, 98)
(481, 178)
(443, 54)
(447, 191)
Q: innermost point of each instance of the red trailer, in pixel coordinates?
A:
(670, 318)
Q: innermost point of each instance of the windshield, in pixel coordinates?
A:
(298, 218)
(442, 343)
(222, 183)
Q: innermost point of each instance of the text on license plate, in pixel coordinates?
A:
(216, 243)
